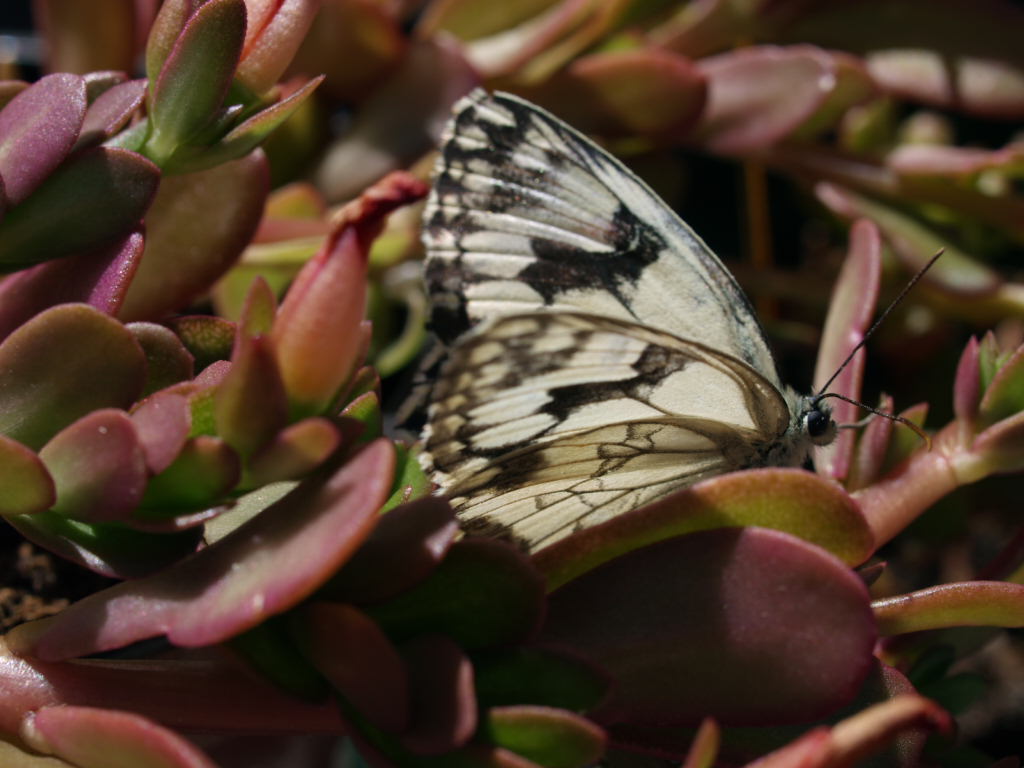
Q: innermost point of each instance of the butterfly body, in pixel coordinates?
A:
(601, 356)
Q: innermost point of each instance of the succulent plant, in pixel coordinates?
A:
(191, 394)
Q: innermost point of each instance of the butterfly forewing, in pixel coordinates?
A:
(526, 212)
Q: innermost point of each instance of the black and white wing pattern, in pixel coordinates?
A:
(601, 355)
(527, 213)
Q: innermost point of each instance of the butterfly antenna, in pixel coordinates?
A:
(891, 416)
(873, 328)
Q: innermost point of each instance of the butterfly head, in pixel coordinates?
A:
(816, 420)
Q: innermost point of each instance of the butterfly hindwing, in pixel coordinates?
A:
(527, 213)
(581, 417)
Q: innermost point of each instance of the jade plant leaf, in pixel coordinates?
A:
(195, 76)
(38, 128)
(167, 360)
(98, 466)
(550, 737)
(850, 311)
(109, 113)
(101, 193)
(762, 627)
(948, 54)
(39, 397)
(413, 538)
(103, 738)
(100, 278)
(260, 569)
(752, 95)
(790, 500)
(293, 452)
(196, 228)
(483, 593)
(27, 486)
(358, 659)
(175, 692)
(442, 703)
(969, 603)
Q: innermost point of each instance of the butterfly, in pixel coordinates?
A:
(598, 355)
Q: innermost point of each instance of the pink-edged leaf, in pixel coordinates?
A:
(111, 112)
(790, 500)
(271, 41)
(546, 735)
(704, 750)
(250, 406)
(113, 549)
(357, 659)
(647, 91)
(483, 593)
(99, 82)
(46, 361)
(956, 273)
(884, 724)
(412, 538)
(251, 133)
(194, 693)
(759, 96)
(202, 473)
(317, 331)
(98, 467)
(264, 567)
(104, 738)
(366, 410)
(961, 163)
(293, 452)
(162, 421)
(856, 739)
(164, 33)
(99, 278)
(963, 604)
(38, 128)
(763, 627)
(872, 448)
(167, 360)
(443, 713)
(943, 53)
(967, 385)
(1004, 396)
(25, 485)
(259, 310)
(195, 76)
(196, 228)
(101, 194)
(850, 310)
(432, 76)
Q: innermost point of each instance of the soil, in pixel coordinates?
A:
(35, 584)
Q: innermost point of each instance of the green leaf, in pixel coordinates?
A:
(195, 76)
(97, 197)
(62, 364)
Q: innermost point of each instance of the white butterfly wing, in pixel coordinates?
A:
(548, 422)
(527, 213)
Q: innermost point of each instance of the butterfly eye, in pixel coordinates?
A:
(817, 423)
